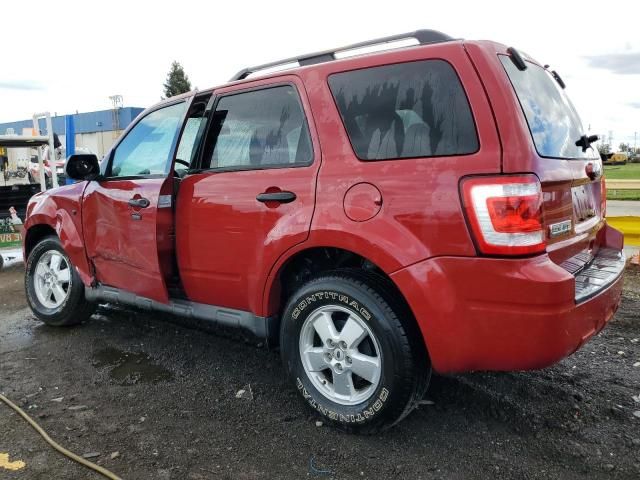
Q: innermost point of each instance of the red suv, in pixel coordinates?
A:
(376, 215)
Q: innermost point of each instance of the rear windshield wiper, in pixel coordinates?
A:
(585, 141)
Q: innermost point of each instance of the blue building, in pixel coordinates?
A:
(96, 131)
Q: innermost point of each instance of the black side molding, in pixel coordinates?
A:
(263, 328)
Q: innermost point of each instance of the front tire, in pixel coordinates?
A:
(353, 351)
(54, 289)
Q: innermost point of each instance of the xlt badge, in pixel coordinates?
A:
(557, 229)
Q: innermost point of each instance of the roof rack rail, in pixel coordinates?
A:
(422, 36)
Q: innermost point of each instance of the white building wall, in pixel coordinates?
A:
(97, 142)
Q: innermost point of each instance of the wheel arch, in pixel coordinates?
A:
(34, 235)
(59, 215)
(296, 268)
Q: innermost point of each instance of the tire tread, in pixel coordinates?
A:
(414, 375)
(77, 309)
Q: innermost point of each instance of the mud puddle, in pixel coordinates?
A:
(129, 368)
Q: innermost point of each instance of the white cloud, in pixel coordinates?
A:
(81, 52)
(622, 63)
(20, 85)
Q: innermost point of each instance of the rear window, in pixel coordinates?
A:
(416, 109)
(553, 120)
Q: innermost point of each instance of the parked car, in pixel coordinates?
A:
(34, 170)
(434, 207)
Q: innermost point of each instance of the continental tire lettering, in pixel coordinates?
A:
(365, 313)
(326, 295)
(384, 393)
(338, 417)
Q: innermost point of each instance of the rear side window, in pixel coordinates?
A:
(259, 129)
(553, 121)
(416, 109)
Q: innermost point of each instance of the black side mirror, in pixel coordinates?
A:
(83, 166)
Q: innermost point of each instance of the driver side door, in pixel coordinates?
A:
(127, 216)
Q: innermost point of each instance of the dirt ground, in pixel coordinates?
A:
(162, 394)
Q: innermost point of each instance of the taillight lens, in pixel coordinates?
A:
(505, 214)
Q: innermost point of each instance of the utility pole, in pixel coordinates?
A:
(611, 147)
(116, 101)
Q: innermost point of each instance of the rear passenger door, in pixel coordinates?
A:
(253, 196)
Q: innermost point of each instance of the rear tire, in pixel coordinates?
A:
(54, 289)
(343, 325)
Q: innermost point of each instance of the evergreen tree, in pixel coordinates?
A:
(177, 81)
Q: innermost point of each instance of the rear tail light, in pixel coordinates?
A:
(603, 197)
(505, 214)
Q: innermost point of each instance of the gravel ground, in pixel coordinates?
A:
(150, 397)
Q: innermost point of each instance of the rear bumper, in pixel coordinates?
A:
(509, 314)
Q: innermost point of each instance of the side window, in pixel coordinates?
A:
(147, 147)
(415, 109)
(188, 140)
(259, 129)
(191, 134)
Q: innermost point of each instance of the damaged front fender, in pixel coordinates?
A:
(60, 211)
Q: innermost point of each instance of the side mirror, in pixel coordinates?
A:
(83, 166)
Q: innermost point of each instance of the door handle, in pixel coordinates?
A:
(139, 203)
(280, 197)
